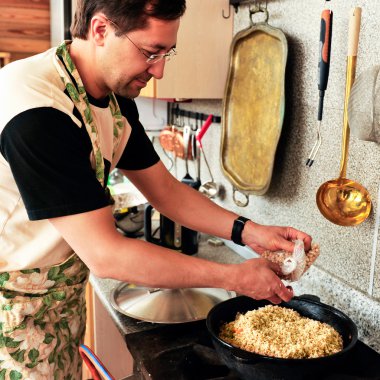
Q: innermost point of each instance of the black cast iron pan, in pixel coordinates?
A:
(259, 367)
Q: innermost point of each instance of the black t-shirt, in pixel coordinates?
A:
(49, 154)
(46, 165)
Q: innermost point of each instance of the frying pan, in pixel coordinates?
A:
(259, 367)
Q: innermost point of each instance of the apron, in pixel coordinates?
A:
(43, 310)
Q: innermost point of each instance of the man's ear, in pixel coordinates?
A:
(99, 27)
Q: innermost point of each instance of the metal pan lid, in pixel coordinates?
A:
(166, 305)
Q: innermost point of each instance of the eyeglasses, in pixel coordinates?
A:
(151, 59)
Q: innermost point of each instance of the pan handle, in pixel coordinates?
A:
(308, 297)
(237, 201)
(257, 9)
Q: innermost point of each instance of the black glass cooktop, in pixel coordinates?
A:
(185, 352)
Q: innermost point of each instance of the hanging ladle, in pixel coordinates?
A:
(209, 188)
(343, 201)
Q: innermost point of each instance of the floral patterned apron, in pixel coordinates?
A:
(43, 318)
(43, 310)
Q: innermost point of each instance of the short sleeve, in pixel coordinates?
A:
(49, 158)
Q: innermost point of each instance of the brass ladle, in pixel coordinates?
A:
(343, 201)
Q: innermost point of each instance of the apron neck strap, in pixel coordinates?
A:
(77, 92)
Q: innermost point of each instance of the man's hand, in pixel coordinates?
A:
(262, 238)
(257, 278)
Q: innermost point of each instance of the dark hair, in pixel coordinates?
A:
(126, 14)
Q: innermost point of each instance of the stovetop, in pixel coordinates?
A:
(185, 352)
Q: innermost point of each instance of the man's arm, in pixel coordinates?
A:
(108, 254)
(192, 209)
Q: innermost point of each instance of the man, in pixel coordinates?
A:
(67, 119)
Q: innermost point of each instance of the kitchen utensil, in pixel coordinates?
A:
(323, 75)
(172, 235)
(209, 188)
(188, 179)
(343, 201)
(186, 239)
(196, 160)
(166, 138)
(253, 107)
(364, 105)
(259, 367)
(131, 221)
(178, 143)
(166, 305)
(127, 209)
(96, 367)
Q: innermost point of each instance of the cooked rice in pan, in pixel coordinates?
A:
(282, 333)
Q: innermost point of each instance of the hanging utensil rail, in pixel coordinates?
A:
(236, 4)
(175, 112)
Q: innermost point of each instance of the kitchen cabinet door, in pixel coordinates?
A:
(103, 337)
(199, 70)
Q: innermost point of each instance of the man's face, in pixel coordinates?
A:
(122, 62)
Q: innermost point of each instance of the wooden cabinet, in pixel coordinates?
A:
(24, 27)
(5, 58)
(199, 70)
(103, 337)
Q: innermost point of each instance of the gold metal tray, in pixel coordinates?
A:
(253, 108)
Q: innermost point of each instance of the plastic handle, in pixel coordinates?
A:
(325, 49)
(204, 129)
(353, 31)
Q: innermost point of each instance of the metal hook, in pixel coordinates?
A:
(238, 202)
(229, 13)
(256, 9)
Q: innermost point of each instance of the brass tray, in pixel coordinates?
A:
(253, 108)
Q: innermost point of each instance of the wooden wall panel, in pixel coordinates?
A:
(24, 27)
(35, 4)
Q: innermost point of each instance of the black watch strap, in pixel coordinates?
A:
(237, 229)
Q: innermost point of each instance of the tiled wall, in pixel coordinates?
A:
(346, 252)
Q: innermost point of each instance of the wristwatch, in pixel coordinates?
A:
(237, 229)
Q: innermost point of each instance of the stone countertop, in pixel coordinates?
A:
(104, 287)
(363, 310)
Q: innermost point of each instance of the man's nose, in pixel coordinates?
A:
(157, 69)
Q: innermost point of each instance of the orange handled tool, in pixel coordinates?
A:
(324, 58)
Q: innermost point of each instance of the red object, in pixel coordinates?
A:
(94, 364)
(326, 18)
(204, 129)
